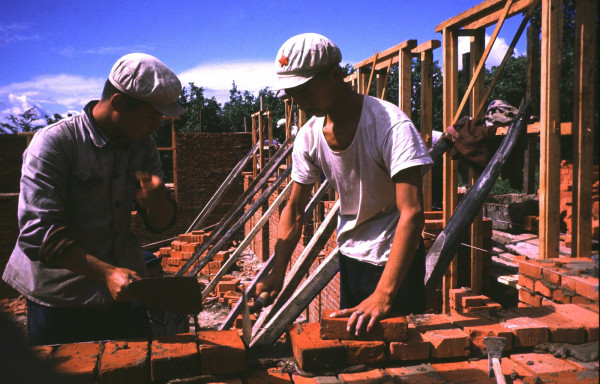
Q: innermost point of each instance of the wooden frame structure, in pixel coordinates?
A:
(472, 23)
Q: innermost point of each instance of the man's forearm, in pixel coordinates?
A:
(402, 252)
(159, 215)
(288, 235)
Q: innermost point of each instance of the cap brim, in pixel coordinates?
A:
(290, 81)
(173, 109)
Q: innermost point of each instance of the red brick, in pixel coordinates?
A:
(530, 298)
(391, 329)
(533, 268)
(544, 288)
(581, 316)
(125, 362)
(42, 352)
(463, 372)
(579, 377)
(552, 275)
(429, 322)
(418, 374)
(477, 334)
(542, 363)
(297, 379)
(368, 377)
(562, 329)
(311, 351)
(452, 342)
(462, 320)
(221, 352)
(527, 282)
(414, 348)
(77, 361)
(456, 297)
(562, 296)
(364, 352)
(270, 376)
(527, 332)
(222, 256)
(175, 356)
(580, 300)
(226, 286)
(586, 286)
(510, 369)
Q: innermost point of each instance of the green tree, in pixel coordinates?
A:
(240, 105)
(202, 115)
(24, 122)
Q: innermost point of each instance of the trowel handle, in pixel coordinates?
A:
(498, 371)
(260, 302)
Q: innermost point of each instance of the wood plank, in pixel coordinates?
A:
(244, 244)
(371, 73)
(301, 298)
(469, 18)
(476, 233)
(481, 64)
(533, 129)
(427, 118)
(429, 45)
(532, 92)
(549, 224)
(386, 54)
(405, 81)
(509, 52)
(583, 122)
(450, 89)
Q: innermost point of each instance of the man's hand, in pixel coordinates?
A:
(271, 284)
(117, 280)
(364, 316)
(152, 189)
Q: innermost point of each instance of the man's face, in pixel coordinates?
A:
(315, 96)
(138, 123)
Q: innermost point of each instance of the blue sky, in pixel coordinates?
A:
(56, 55)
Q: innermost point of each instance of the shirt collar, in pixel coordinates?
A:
(98, 137)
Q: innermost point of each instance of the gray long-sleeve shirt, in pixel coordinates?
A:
(73, 176)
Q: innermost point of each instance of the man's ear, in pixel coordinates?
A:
(117, 102)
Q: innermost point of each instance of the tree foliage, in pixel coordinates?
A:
(24, 122)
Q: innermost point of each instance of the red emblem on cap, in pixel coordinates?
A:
(283, 61)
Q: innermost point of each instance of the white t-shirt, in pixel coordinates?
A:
(385, 143)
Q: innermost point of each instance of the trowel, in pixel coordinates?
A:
(182, 294)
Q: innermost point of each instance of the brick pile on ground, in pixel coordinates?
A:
(557, 280)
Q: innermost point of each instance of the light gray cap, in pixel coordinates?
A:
(303, 56)
(148, 79)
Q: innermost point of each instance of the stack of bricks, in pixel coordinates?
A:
(463, 300)
(329, 346)
(559, 280)
(143, 361)
(181, 250)
(566, 200)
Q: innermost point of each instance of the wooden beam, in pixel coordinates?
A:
(481, 64)
(549, 227)
(427, 118)
(583, 123)
(386, 54)
(372, 73)
(532, 92)
(476, 233)
(429, 45)
(405, 80)
(450, 85)
(534, 129)
(482, 15)
(507, 55)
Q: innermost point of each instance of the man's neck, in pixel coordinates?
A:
(342, 119)
(102, 114)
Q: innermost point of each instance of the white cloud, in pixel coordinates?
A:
(71, 51)
(15, 32)
(496, 54)
(217, 78)
(49, 94)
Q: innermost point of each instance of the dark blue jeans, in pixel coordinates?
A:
(358, 281)
(49, 325)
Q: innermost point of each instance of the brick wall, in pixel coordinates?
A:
(566, 200)
(204, 160)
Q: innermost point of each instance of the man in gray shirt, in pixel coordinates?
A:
(75, 254)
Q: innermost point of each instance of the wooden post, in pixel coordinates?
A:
(532, 92)
(261, 139)
(404, 80)
(477, 47)
(427, 118)
(583, 126)
(549, 226)
(450, 84)
(174, 156)
(254, 141)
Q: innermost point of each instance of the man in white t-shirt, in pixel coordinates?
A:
(372, 154)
